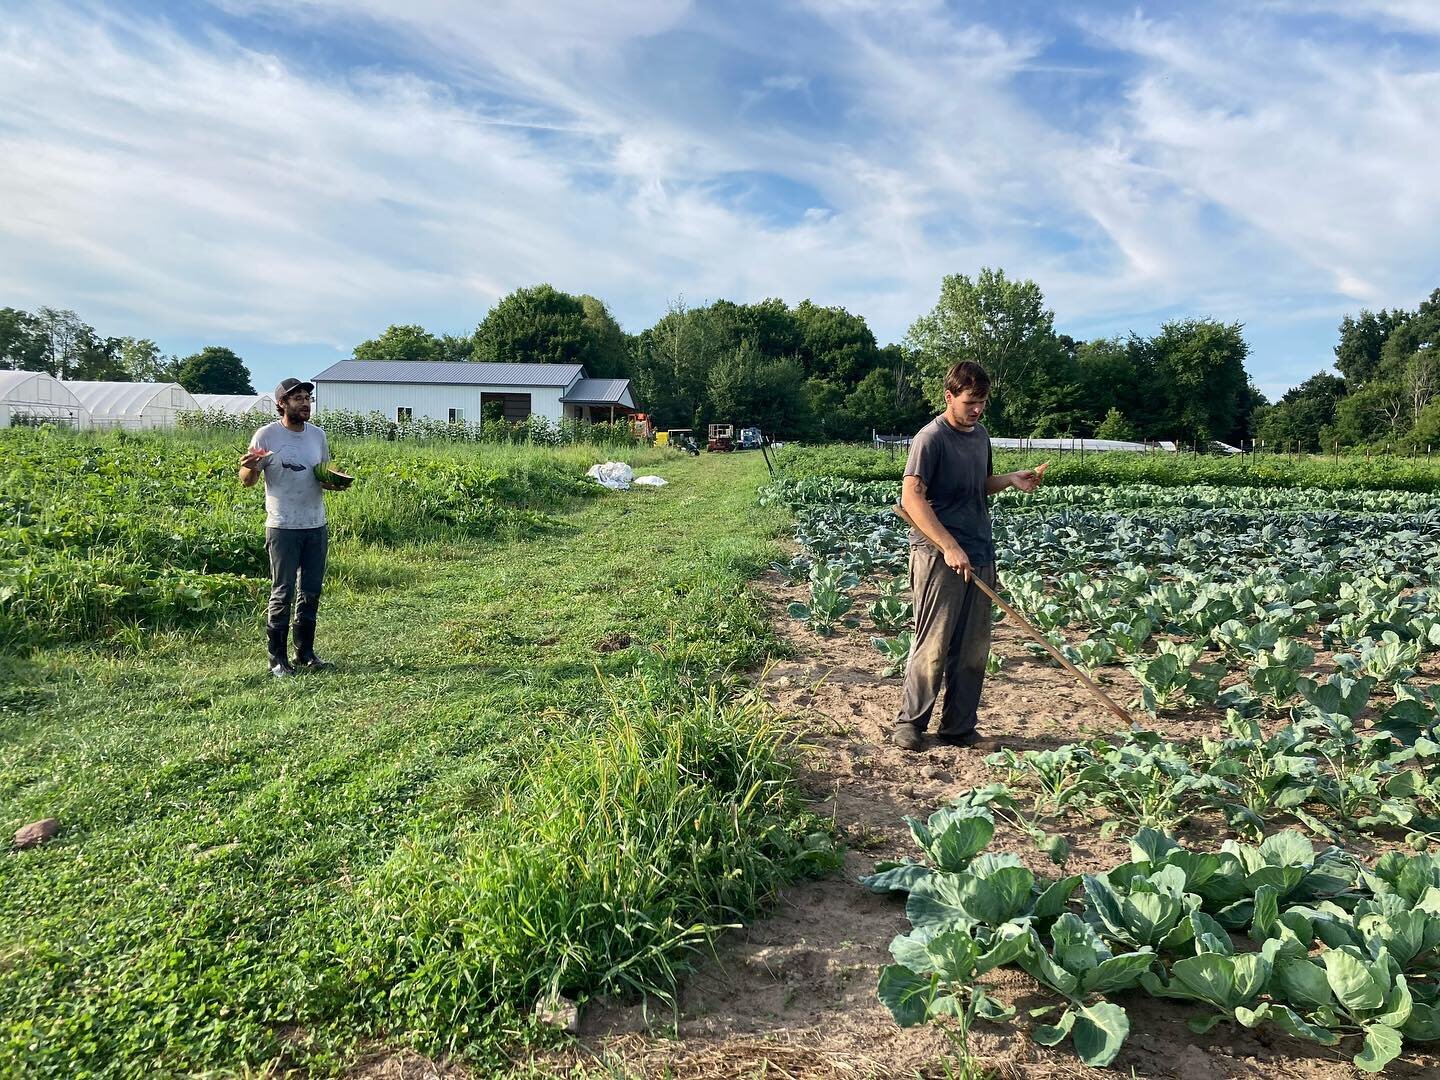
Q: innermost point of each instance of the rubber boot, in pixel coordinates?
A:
(279, 666)
(305, 649)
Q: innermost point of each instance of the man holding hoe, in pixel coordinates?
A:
(949, 478)
(286, 452)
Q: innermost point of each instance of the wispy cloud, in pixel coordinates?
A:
(307, 172)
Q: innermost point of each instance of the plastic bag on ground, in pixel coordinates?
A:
(615, 475)
(650, 481)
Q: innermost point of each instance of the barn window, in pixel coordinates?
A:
(403, 414)
(512, 407)
(457, 416)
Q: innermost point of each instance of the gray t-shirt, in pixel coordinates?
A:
(294, 499)
(954, 466)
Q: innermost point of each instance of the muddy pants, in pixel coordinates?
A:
(952, 642)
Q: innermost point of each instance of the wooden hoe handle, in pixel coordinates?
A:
(1085, 680)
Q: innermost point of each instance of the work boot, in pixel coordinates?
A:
(967, 740)
(907, 737)
(279, 666)
(305, 649)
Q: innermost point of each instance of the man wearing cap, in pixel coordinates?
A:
(286, 452)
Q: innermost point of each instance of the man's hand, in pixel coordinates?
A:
(957, 560)
(1028, 480)
(253, 459)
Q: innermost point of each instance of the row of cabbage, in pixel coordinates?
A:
(1208, 597)
(1347, 952)
(1180, 586)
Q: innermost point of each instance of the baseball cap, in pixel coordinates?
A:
(289, 386)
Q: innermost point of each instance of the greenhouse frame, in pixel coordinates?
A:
(236, 404)
(31, 397)
(133, 406)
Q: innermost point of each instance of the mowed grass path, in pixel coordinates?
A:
(215, 822)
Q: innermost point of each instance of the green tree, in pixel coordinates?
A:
(885, 401)
(1362, 338)
(401, 342)
(672, 363)
(1411, 355)
(606, 348)
(769, 326)
(747, 388)
(1426, 432)
(1105, 380)
(1194, 371)
(1373, 413)
(825, 401)
(215, 370)
(1302, 413)
(22, 345)
(456, 347)
(835, 344)
(1115, 426)
(1004, 326)
(539, 325)
(143, 361)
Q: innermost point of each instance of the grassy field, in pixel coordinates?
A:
(529, 772)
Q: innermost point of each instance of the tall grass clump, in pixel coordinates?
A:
(623, 853)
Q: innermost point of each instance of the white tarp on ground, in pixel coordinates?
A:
(615, 475)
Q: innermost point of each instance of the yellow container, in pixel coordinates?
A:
(662, 438)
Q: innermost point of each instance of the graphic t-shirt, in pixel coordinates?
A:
(954, 466)
(294, 499)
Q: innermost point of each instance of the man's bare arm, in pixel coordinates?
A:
(917, 505)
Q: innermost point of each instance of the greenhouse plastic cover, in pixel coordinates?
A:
(109, 399)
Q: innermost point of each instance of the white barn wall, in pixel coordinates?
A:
(427, 399)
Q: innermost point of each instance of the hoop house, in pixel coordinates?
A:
(35, 397)
(132, 405)
(236, 404)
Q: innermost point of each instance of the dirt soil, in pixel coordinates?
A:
(794, 994)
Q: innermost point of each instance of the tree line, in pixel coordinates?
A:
(1387, 390)
(59, 343)
(814, 372)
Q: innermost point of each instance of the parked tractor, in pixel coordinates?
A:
(722, 439)
(679, 439)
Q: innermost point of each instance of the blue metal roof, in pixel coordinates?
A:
(450, 373)
(600, 392)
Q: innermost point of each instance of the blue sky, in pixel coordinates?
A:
(289, 177)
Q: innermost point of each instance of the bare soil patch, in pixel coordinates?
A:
(794, 994)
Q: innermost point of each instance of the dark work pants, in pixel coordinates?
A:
(295, 554)
(951, 643)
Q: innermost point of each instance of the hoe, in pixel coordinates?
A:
(1088, 683)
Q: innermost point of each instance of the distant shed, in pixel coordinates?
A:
(34, 396)
(133, 406)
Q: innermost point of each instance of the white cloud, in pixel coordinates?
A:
(185, 183)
